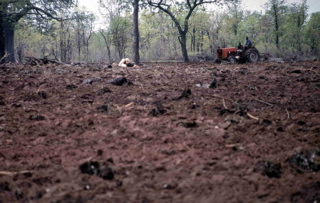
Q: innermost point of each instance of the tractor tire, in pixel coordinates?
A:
(232, 59)
(252, 55)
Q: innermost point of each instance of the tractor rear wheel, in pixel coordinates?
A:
(252, 55)
(232, 59)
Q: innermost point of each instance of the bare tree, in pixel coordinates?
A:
(136, 35)
(107, 41)
(183, 27)
(12, 11)
(276, 8)
(119, 26)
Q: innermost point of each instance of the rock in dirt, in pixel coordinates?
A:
(203, 85)
(94, 168)
(298, 71)
(106, 172)
(305, 161)
(91, 80)
(118, 81)
(104, 90)
(103, 108)
(185, 94)
(4, 186)
(99, 152)
(214, 83)
(158, 111)
(308, 193)
(188, 124)
(18, 193)
(43, 94)
(2, 101)
(71, 87)
(169, 186)
(226, 111)
(37, 118)
(268, 169)
(90, 167)
(266, 122)
(194, 106)
(243, 71)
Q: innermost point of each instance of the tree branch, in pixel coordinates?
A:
(160, 5)
(19, 15)
(45, 12)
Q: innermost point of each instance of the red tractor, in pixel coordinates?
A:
(235, 55)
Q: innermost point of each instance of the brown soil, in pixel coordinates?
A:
(160, 137)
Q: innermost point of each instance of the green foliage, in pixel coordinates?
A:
(120, 29)
(66, 40)
(249, 27)
(266, 30)
(276, 9)
(295, 20)
(30, 42)
(12, 11)
(312, 32)
(15, 10)
(76, 40)
(158, 36)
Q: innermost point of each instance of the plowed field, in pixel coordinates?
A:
(174, 132)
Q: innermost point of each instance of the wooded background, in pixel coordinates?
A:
(60, 30)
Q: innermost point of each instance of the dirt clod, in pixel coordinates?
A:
(94, 168)
(268, 169)
(106, 172)
(185, 94)
(4, 186)
(188, 124)
(157, 111)
(305, 161)
(90, 167)
(71, 87)
(43, 94)
(104, 90)
(91, 80)
(37, 118)
(103, 108)
(213, 83)
(118, 81)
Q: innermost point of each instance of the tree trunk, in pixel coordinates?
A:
(202, 38)
(79, 50)
(277, 36)
(63, 52)
(9, 42)
(136, 56)
(276, 21)
(182, 32)
(193, 40)
(107, 45)
(183, 43)
(2, 41)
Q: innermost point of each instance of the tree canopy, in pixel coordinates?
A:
(173, 9)
(11, 11)
(159, 30)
